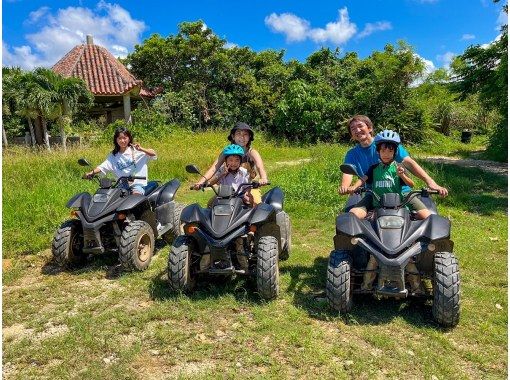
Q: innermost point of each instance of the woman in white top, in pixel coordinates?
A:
(127, 159)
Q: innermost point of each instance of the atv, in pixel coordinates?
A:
(393, 236)
(231, 238)
(113, 219)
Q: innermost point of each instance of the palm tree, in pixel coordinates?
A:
(17, 87)
(58, 97)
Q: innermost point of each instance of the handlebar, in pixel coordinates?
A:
(127, 178)
(242, 186)
(424, 192)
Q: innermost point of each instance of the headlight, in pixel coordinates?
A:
(99, 198)
(222, 210)
(391, 221)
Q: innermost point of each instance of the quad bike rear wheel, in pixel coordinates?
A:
(136, 246)
(181, 273)
(338, 285)
(446, 288)
(268, 276)
(67, 245)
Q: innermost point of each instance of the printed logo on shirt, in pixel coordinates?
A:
(124, 165)
(386, 183)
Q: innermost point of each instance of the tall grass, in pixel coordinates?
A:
(132, 326)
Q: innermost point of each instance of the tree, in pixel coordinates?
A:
(483, 70)
(57, 98)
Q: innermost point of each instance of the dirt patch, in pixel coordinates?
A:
(500, 168)
(16, 332)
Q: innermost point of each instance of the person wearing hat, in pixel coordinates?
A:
(242, 135)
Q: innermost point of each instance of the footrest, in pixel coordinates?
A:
(391, 292)
(228, 270)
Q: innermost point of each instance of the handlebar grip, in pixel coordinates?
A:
(139, 177)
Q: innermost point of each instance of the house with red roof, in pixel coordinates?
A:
(114, 87)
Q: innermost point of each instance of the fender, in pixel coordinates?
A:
(262, 213)
(132, 201)
(192, 214)
(81, 200)
(275, 198)
(167, 192)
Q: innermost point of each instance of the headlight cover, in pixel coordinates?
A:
(390, 221)
(100, 198)
(222, 210)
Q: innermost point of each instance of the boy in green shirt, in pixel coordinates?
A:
(387, 177)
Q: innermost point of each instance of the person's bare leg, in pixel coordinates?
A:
(423, 214)
(359, 212)
(369, 277)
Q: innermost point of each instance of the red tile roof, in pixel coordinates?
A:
(102, 72)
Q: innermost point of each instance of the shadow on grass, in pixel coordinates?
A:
(470, 189)
(307, 286)
(242, 288)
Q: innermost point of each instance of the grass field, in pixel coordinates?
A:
(93, 323)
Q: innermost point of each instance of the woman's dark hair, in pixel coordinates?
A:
(118, 131)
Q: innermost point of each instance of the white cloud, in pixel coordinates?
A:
(429, 69)
(230, 45)
(298, 29)
(337, 32)
(375, 27)
(34, 16)
(110, 24)
(502, 20)
(445, 59)
(295, 28)
(466, 37)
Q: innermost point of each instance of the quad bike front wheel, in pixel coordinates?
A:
(338, 285)
(181, 274)
(446, 287)
(67, 245)
(136, 246)
(268, 275)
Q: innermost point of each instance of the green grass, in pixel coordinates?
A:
(90, 323)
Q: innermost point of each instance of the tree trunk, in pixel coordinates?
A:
(46, 136)
(4, 136)
(32, 133)
(63, 124)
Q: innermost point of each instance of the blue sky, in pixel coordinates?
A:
(39, 32)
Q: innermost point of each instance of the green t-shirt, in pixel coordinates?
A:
(384, 179)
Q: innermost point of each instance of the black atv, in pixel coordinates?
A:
(231, 238)
(394, 238)
(113, 219)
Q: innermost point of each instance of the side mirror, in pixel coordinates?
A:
(83, 162)
(192, 169)
(349, 169)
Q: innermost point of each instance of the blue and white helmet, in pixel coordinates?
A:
(233, 150)
(387, 136)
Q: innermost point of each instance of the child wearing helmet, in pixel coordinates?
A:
(232, 173)
(242, 134)
(388, 177)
